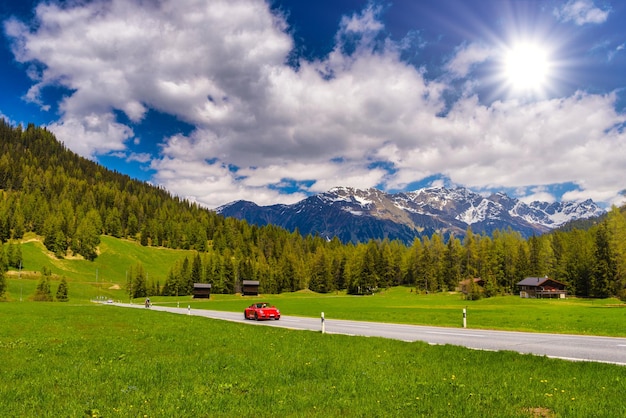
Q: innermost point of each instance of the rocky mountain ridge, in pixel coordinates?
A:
(355, 215)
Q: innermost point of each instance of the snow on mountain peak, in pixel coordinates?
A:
(365, 214)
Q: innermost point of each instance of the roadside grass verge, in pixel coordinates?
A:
(100, 360)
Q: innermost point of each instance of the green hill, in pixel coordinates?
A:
(106, 276)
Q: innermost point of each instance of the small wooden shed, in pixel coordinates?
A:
(250, 288)
(541, 287)
(201, 290)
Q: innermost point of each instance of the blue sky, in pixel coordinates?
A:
(272, 101)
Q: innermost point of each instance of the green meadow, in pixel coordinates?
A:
(63, 359)
(80, 358)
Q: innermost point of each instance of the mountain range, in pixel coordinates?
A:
(355, 215)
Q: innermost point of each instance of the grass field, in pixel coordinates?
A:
(99, 360)
(83, 359)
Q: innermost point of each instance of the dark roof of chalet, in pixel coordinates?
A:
(251, 282)
(202, 285)
(537, 281)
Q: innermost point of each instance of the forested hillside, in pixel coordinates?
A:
(71, 201)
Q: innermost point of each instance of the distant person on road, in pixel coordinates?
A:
(147, 302)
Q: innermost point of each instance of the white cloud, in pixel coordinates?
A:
(511, 144)
(367, 22)
(467, 56)
(91, 134)
(581, 12)
(131, 55)
(539, 194)
(141, 157)
(616, 51)
(259, 123)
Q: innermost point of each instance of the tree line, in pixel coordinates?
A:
(71, 202)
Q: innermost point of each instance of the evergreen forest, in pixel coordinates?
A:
(70, 201)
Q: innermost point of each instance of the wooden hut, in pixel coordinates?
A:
(250, 288)
(201, 290)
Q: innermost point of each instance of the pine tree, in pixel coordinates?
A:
(320, 276)
(196, 270)
(139, 289)
(61, 295)
(616, 222)
(87, 236)
(113, 223)
(604, 266)
(43, 292)
(471, 261)
(452, 263)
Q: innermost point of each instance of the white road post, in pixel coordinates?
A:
(464, 318)
(323, 324)
(188, 309)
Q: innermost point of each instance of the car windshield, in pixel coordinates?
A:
(262, 305)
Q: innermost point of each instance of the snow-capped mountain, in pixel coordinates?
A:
(355, 215)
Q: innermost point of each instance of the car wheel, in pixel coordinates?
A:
(277, 318)
(256, 316)
(245, 316)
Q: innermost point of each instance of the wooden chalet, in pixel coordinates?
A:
(250, 288)
(541, 287)
(201, 290)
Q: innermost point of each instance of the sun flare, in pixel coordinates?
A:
(526, 67)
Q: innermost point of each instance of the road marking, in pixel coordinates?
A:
(460, 334)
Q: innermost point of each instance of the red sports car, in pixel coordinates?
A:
(261, 310)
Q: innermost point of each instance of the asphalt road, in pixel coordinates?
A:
(563, 346)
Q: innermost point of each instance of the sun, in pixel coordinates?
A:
(526, 68)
